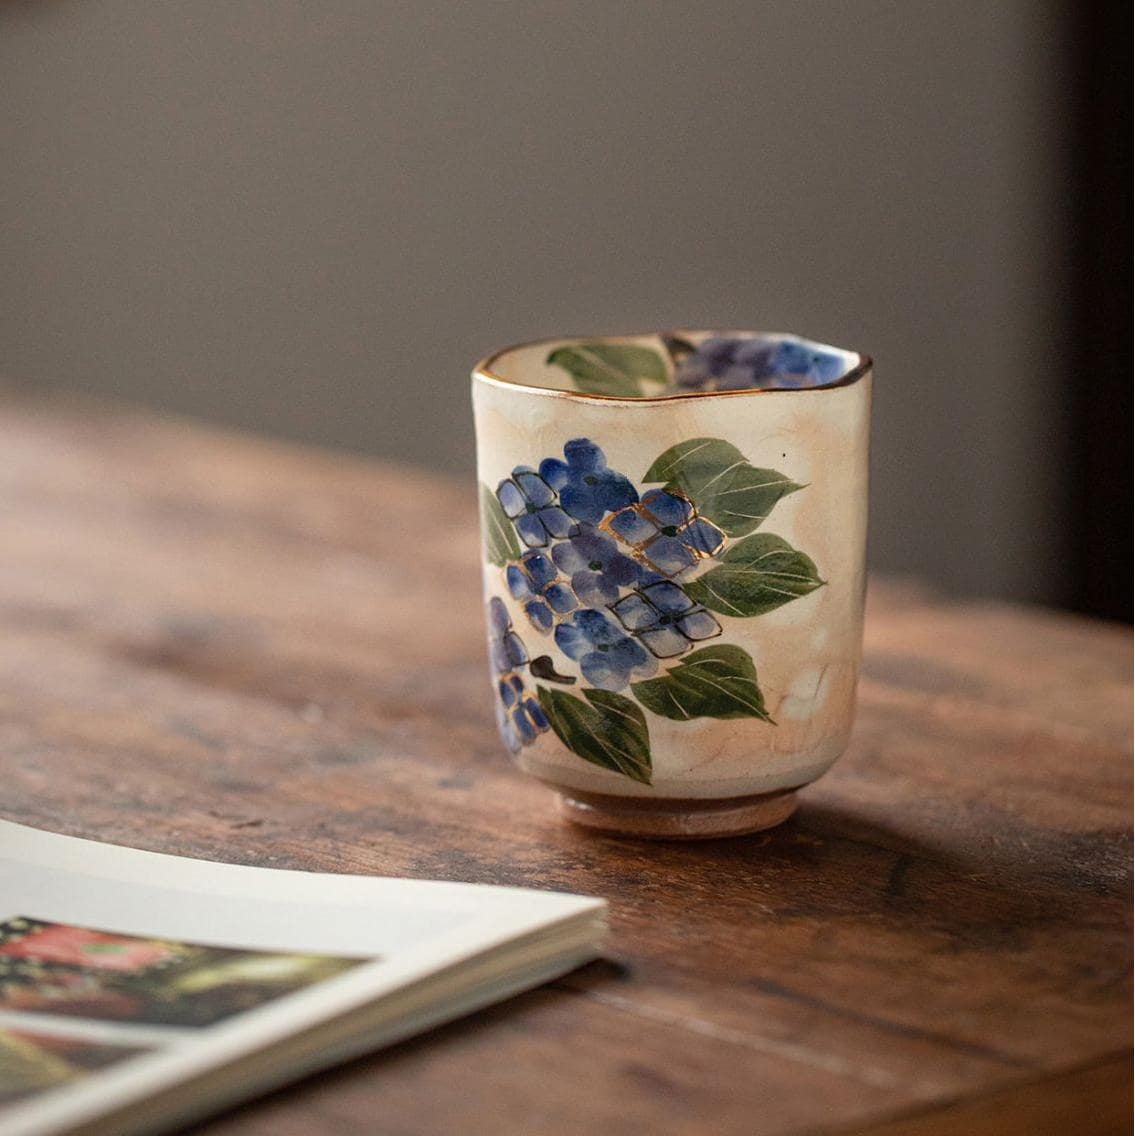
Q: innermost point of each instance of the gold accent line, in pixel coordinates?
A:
(482, 371)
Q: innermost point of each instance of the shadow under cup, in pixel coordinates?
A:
(673, 544)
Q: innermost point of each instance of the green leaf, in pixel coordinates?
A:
(726, 489)
(615, 369)
(607, 730)
(741, 501)
(715, 682)
(695, 461)
(497, 533)
(756, 575)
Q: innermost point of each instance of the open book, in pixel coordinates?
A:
(140, 991)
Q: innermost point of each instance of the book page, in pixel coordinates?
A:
(123, 972)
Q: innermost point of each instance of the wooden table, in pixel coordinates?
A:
(230, 648)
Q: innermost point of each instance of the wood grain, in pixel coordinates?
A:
(225, 647)
(1097, 1098)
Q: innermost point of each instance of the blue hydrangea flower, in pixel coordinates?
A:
(667, 532)
(795, 364)
(595, 565)
(754, 362)
(665, 619)
(519, 716)
(530, 503)
(506, 651)
(608, 658)
(535, 581)
(587, 488)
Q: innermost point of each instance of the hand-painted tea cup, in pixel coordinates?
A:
(674, 529)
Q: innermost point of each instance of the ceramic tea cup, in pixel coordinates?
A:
(674, 529)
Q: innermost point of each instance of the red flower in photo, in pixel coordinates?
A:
(94, 950)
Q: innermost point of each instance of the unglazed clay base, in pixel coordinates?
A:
(662, 819)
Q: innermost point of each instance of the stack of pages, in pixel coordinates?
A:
(140, 991)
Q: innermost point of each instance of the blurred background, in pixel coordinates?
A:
(310, 220)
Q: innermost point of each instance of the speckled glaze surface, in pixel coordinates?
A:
(674, 569)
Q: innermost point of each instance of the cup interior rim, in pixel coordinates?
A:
(858, 366)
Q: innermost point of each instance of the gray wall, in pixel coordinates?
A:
(310, 219)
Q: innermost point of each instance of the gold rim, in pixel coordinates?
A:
(483, 369)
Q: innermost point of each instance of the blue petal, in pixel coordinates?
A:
(540, 615)
(622, 570)
(593, 547)
(827, 367)
(634, 613)
(499, 656)
(668, 597)
(508, 693)
(554, 472)
(582, 501)
(669, 555)
(568, 557)
(665, 642)
(631, 526)
(699, 625)
(630, 654)
(615, 491)
(556, 522)
(703, 536)
(561, 598)
(572, 640)
(601, 670)
(524, 728)
(536, 714)
(541, 571)
(692, 372)
(498, 615)
(717, 349)
(667, 508)
(596, 626)
(584, 456)
(790, 358)
(519, 586)
(511, 499)
(514, 649)
(534, 487)
(532, 532)
(756, 353)
(815, 367)
(593, 589)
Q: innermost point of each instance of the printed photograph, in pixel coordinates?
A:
(80, 972)
(32, 1063)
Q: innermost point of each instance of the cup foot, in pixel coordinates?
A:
(657, 818)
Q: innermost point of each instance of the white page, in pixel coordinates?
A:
(289, 950)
